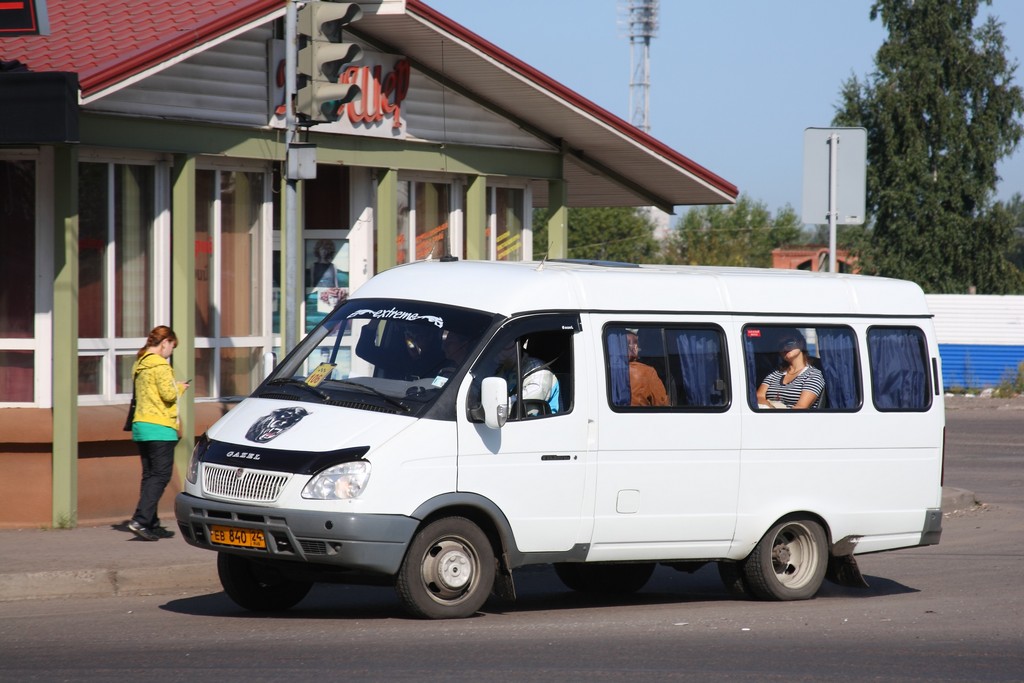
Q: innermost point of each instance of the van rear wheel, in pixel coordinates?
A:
(605, 579)
(448, 571)
(258, 587)
(789, 562)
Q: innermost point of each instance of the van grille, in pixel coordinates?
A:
(237, 483)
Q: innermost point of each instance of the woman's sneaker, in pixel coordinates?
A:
(142, 532)
(161, 532)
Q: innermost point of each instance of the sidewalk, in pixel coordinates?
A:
(109, 561)
(98, 562)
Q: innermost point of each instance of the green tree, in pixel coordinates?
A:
(940, 111)
(743, 234)
(1015, 207)
(605, 234)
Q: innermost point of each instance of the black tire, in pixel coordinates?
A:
(448, 571)
(258, 587)
(733, 579)
(571, 575)
(789, 562)
(605, 579)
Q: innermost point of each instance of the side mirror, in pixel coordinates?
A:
(494, 400)
(269, 363)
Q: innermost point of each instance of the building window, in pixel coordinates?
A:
(17, 280)
(116, 299)
(424, 209)
(229, 281)
(325, 229)
(505, 210)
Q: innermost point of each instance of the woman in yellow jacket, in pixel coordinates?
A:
(155, 428)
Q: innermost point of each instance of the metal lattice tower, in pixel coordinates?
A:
(642, 22)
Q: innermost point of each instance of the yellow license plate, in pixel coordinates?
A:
(243, 538)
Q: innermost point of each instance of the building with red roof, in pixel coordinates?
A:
(145, 177)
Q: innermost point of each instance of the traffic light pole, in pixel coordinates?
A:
(291, 239)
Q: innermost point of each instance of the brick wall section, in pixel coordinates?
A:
(108, 466)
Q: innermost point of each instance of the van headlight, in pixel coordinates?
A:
(202, 443)
(339, 482)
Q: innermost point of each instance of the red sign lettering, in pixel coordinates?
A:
(382, 95)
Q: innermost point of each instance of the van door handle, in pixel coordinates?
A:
(555, 457)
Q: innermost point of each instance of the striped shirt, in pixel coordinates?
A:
(809, 379)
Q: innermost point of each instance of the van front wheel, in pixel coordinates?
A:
(258, 587)
(448, 572)
(789, 562)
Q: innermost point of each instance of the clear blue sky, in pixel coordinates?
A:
(734, 83)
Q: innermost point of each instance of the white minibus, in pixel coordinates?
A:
(453, 421)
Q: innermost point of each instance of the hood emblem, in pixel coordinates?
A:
(272, 426)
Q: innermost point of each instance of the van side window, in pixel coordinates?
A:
(776, 357)
(899, 368)
(538, 370)
(655, 367)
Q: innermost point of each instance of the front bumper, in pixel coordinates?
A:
(361, 543)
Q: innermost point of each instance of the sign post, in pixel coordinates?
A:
(834, 182)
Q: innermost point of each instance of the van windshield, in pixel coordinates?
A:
(381, 354)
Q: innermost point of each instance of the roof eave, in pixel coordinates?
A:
(161, 55)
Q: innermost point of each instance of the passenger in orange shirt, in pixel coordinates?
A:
(645, 387)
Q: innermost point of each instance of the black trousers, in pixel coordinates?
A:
(157, 466)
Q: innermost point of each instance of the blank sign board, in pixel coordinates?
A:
(851, 172)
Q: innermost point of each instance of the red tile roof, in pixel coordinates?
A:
(107, 41)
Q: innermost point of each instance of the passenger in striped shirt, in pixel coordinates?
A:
(796, 384)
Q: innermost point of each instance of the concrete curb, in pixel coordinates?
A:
(190, 578)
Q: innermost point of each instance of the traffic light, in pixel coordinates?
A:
(322, 57)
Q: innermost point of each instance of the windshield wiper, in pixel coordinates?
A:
(390, 399)
(292, 382)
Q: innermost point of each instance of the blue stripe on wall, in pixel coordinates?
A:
(978, 365)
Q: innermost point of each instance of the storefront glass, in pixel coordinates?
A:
(241, 199)
(115, 245)
(424, 209)
(229, 281)
(431, 219)
(508, 221)
(17, 277)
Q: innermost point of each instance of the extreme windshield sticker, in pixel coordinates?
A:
(395, 314)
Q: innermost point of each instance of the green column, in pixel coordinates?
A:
(386, 236)
(293, 292)
(65, 337)
(476, 218)
(558, 219)
(183, 296)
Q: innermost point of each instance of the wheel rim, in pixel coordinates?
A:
(449, 569)
(794, 556)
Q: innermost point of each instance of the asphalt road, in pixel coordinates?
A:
(952, 612)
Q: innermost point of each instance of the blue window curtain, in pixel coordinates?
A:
(899, 368)
(698, 356)
(837, 352)
(618, 366)
(751, 357)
